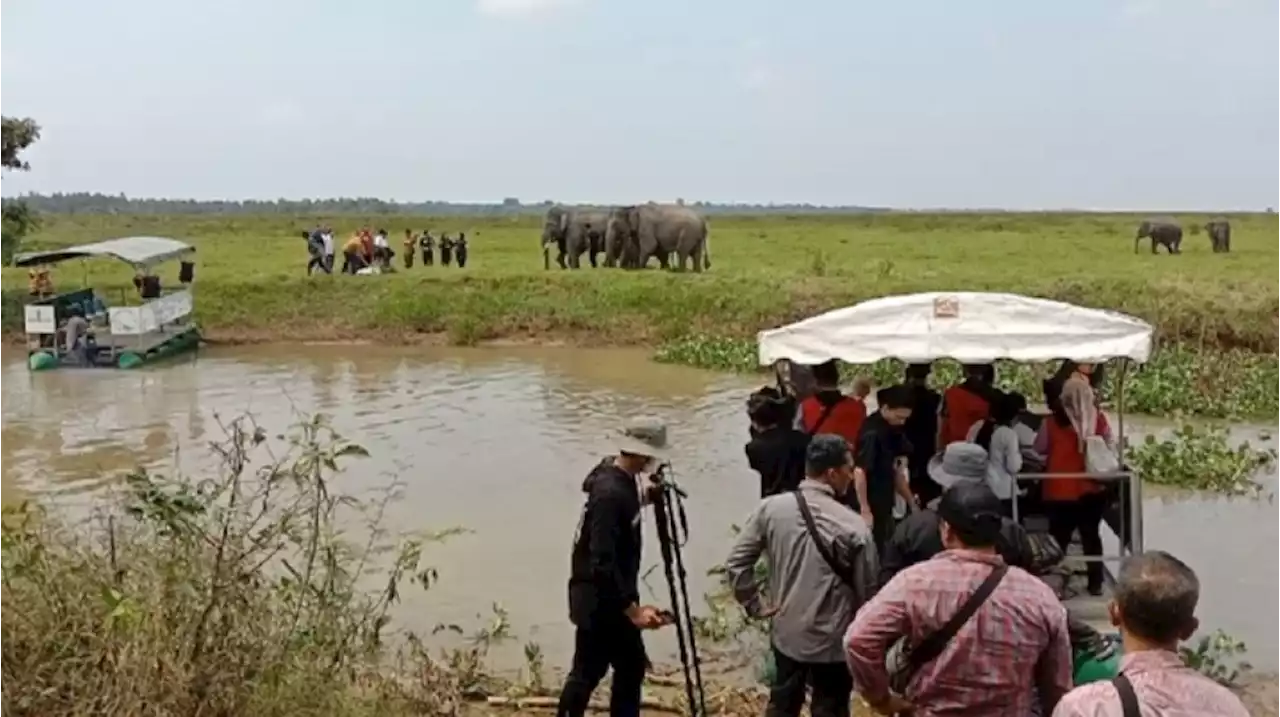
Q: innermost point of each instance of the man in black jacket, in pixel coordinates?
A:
(604, 593)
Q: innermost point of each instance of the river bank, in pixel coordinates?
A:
(492, 442)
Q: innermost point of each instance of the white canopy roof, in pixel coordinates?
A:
(140, 251)
(969, 327)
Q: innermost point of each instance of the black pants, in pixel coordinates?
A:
(832, 687)
(314, 264)
(596, 648)
(1083, 516)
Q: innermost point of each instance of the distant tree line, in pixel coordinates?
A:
(94, 203)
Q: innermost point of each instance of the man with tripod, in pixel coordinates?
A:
(604, 592)
(822, 568)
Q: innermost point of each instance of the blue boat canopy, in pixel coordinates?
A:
(139, 251)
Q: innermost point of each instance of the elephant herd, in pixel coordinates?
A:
(1168, 233)
(627, 236)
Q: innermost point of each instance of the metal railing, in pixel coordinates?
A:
(1129, 528)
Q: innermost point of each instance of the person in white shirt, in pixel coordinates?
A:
(381, 250)
(326, 240)
(998, 437)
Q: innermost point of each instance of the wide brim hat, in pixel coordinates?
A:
(641, 438)
(959, 461)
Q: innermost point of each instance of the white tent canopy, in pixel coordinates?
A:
(969, 327)
(139, 251)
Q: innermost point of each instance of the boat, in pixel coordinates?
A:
(974, 327)
(122, 337)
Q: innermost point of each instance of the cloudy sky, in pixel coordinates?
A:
(910, 103)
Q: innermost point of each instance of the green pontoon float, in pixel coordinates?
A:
(124, 336)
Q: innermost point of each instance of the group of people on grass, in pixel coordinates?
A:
(367, 252)
(894, 567)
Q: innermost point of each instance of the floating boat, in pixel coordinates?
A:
(981, 328)
(122, 337)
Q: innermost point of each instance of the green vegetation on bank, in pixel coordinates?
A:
(1178, 380)
(1218, 311)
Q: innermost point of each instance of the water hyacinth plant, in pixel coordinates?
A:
(1209, 383)
(1201, 458)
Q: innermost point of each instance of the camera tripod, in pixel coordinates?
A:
(673, 532)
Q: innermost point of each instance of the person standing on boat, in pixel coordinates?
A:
(830, 411)
(921, 430)
(965, 404)
(812, 596)
(427, 244)
(776, 450)
(881, 462)
(1154, 606)
(996, 435)
(76, 333)
(1010, 653)
(410, 245)
(1074, 504)
(604, 590)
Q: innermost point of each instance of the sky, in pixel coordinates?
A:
(1092, 104)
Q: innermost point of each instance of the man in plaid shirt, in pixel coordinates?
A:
(1012, 656)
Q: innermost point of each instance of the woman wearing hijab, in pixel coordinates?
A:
(1074, 504)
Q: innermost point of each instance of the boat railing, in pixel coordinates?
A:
(1126, 522)
(151, 316)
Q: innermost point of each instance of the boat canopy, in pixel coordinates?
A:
(969, 327)
(139, 251)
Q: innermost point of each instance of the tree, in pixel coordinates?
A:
(16, 218)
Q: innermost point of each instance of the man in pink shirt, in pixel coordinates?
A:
(1154, 607)
(1008, 651)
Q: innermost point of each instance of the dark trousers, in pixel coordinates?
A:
(314, 264)
(830, 681)
(1085, 517)
(596, 648)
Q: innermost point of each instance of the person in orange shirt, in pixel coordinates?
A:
(965, 404)
(1074, 504)
(830, 411)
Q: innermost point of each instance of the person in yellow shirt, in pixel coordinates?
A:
(352, 255)
(39, 283)
(409, 246)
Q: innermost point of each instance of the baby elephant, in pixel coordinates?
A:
(1219, 231)
(1162, 232)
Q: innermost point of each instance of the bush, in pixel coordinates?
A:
(232, 595)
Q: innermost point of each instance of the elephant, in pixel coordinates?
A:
(1219, 231)
(636, 233)
(573, 232)
(1164, 232)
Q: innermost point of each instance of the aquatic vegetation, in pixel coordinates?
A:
(236, 594)
(1178, 379)
(1218, 656)
(1201, 458)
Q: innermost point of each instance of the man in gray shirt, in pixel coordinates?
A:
(812, 597)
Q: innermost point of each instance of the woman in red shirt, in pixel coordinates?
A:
(1074, 504)
(965, 404)
(830, 411)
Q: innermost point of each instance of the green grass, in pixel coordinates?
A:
(766, 271)
(250, 283)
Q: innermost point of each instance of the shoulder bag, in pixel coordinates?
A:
(1128, 698)
(822, 417)
(910, 660)
(842, 569)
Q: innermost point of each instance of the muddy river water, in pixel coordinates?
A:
(498, 441)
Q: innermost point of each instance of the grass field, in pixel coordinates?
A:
(765, 271)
